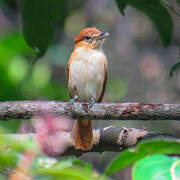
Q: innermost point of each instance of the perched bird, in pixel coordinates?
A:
(87, 75)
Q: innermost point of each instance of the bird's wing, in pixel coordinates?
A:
(68, 66)
(105, 81)
(68, 70)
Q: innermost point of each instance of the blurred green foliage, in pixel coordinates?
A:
(143, 149)
(12, 46)
(39, 20)
(158, 14)
(40, 17)
(15, 153)
(68, 170)
(41, 166)
(18, 79)
(174, 68)
(157, 167)
(116, 89)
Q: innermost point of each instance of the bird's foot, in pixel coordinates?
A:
(72, 101)
(91, 103)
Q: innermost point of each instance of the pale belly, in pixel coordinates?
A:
(87, 78)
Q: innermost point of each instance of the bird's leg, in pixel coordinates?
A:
(91, 103)
(72, 101)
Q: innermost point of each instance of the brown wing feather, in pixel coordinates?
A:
(72, 91)
(68, 69)
(68, 66)
(104, 83)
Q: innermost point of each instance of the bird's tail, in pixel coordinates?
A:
(82, 134)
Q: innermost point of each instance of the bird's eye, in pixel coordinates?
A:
(87, 37)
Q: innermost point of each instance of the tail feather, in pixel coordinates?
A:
(82, 134)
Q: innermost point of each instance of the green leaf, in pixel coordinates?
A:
(143, 149)
(178, 1)
(10, 151)
(174, 68)
(157, 167)
(71, 162)
(122, 5)
(158, 15)
(42, 161)
(82, 163)
(70, 169)
(75, 173)
(3, 177)
(39, 18)
(156, 12)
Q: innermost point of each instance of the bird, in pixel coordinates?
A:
(87, 71)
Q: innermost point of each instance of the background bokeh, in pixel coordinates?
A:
(138, 64)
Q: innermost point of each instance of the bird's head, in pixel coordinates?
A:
(91, 38)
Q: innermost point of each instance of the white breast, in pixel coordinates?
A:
(87, 74)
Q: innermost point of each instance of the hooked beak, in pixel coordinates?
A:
(102, 35)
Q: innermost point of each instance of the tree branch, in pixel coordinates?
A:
(114, 139)
(120, 111)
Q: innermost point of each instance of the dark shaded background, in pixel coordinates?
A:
(138, 64)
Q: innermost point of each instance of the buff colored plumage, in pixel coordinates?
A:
(87, 76)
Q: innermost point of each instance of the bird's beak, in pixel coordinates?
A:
(102, 35)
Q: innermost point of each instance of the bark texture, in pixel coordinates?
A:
(118, 111)
(112, 139)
